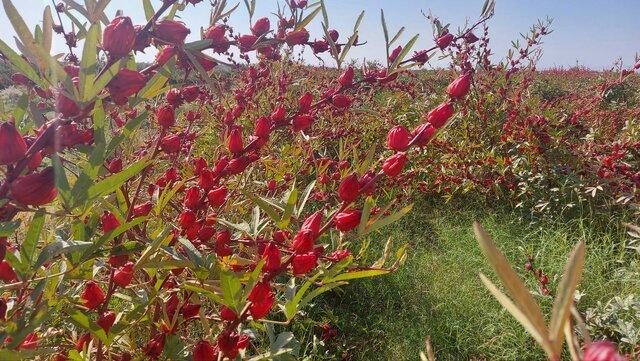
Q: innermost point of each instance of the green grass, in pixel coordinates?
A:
(437, 292)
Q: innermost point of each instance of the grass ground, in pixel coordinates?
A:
(437, 292)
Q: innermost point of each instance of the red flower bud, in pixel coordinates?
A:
(348, 220)
(313, 222)
(115, 165)
(262, 128)
(142, 210)
(470, 38)
(83, 341)
(12, 144)
(602, 351)
(279, 114)
(303, 263)
(319, 46)
(341, 101)
(30, 342)
(460, 87)
(439, 116)
(262, 299)
(170, 31)
(170, 143)
(346, 78)
(398, 138)
(297, 37)
(227, 314)
(334, 34)
(246, 42)
(349, 188)
(7, 274)
(187, 218)
(21, 79)
(108, 222)
(143, 41)
(302, 122)
(217, 196)
(234, 142)
(444, 40)
(219, 42)
(420, 57)
(165, 116)
(394, 54)
(153, 349)
(305, 101)
(261, 26)
(123, 276)
(165, 54)
(65, 106)
(394, 164)
(271, 255)
(92, 295)
(192, 198)
(423, 133)
(204, 351)
(106, 320)
(119, 37)
(174, 97)
(190, 93)
(35, 189)
(125, 84)
(340, 254)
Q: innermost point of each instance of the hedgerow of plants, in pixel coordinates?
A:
(119, 242)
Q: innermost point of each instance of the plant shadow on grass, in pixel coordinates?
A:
(437, 292)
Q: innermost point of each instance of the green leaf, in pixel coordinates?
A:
(405, 50)
(164, 238)
(204, 292)
(28, 247)
(291, 307)
(88, 65)
(13, 355)
(21, 65)
(59, 247)
(104, 79)
(357, 274)
(380, 223)
(292, 198)
(318, 291)
(81, 320)
(270, 210)
(517, 290)
(308, 18)
(393, 40)
(366, 213)
(7, 228)
(37, 318)
(111, 183)
(111, 235)
(231, 289)
(561, 312)
(156, 84)
(148, 9)
(305, 198)
(62, 184)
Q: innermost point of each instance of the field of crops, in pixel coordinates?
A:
(231, 201)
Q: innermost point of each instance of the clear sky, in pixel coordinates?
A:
(591, 32)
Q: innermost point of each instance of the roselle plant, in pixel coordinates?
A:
(119, 242)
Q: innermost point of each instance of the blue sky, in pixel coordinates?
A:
(592, 33)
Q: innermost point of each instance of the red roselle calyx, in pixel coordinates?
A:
(297, 37)
(92, 295)
(261, 27)
(106, 320)
(119, 37)
(303, 263)
(349, 188)
(170, 31)
(460, 87)
(35, 189)
(394, 164)
(444, 40)
(346, 78)
(348, 220)
(439, 116)
(398, 138)
(12, 144)
(123, 276)
(165, 116)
